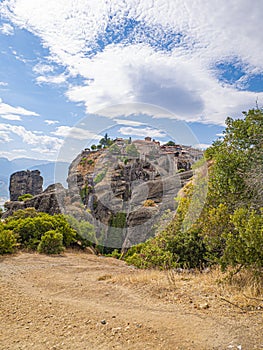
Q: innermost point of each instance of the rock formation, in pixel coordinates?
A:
(49, 201)
(23, 182)
(112, 189)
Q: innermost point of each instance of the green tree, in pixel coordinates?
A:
(170, 143)
(234, 159)
(106, 141)
(231, 230)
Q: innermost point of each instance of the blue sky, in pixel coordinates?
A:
(171, 69)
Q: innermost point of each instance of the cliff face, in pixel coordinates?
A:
(124, 195)
(23, 182)
(48, 201)
(123, 190)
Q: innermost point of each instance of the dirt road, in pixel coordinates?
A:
(79, 301)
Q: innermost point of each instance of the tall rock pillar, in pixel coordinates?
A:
(23, 182)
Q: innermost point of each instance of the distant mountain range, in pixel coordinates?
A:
(51, 171)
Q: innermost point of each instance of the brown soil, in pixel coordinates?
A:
(79, 301)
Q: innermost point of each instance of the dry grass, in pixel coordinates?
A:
(244, 289)
(241, 292)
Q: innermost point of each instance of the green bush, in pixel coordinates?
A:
(116, 254)
(25, 197)
(187, 248)
(244, 246)
(8, 242)
(51, 243)
(149, 255)
(30, 226)
(22, 214)
(114, 149)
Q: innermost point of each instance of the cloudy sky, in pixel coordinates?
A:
(73, 70)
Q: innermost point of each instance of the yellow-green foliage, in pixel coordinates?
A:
(25, 197)
(51, 243)
(8, 242)
(29, 226)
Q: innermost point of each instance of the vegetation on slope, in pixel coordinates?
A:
(229, 230)
(32, 230)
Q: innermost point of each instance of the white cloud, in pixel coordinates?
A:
(139, 69)
(7, 110)
(2, 83)
(31, 138)
(142, 132)
(202, 146)
(10, 116)
(43, 68)
(186, 89)
(128, 122)
(6, 29)
(51, 122)
(55, 79)
(4, 137)
(45, 151)
(75, 133)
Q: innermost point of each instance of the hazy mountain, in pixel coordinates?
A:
(51, 171)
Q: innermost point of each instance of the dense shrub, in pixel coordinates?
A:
(22, 214)
(170, 249)
(51, 243)
(149, 255)
(8, 242)
(244, 246)
(30, 226)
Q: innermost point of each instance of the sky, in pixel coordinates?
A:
(70, 71)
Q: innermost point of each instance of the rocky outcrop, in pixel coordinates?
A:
(113, 186)
(50, 201)
(111, 189)
(23, 182)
